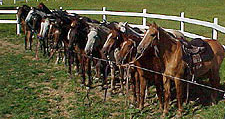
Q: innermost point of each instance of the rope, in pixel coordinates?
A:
(156, 72)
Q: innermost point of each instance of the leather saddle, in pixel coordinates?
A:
(195, 52)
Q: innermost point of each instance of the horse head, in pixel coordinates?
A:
(78, 32)
(151, 35)
(113, 40)
(22, 13)
(127, 49)
(93, 40)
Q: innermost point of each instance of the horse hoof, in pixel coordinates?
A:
(178, 115)
(120, 94)
(131, 106)
(88, 88)
(76, 74)
(96, 78)
(81, 85)
(109, 94)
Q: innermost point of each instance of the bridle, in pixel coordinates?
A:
(155, 38)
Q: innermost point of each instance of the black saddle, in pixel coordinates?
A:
(195, 52)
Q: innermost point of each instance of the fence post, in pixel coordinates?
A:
(104, 19)
(1, 2)
(182, 23)
(214, 33)
(14, 1)
(17, 24)
(26, 0)
(144, 21)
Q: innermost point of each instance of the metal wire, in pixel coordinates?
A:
(156, 72)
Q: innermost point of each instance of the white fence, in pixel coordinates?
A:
(215, 27)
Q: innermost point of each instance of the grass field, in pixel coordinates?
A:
(33, 89)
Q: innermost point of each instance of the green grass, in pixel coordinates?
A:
(33, 89)
(204, 10)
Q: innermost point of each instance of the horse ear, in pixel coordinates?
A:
(125, 24)
(148, 24)
(155, 25)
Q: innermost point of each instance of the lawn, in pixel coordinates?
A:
(33, 89)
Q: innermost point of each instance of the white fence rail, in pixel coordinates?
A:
(215, 27)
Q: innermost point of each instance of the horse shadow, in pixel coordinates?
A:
(200, 95)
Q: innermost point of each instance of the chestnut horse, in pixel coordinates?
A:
(127, 53)
(170, 52)
(113, 42)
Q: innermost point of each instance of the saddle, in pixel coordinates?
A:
(195, 52)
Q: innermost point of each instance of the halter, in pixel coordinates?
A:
(156, 37)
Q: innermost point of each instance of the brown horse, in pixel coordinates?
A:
(170, 52)
(140, 79)
(77, 37)
(127, 54)
(22, 14)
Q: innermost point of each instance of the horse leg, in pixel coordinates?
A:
(57, 57)
(179, 97)
(77, 61)
(215, 82)
(159, 91)
(137, 82)
(89, 72)
(142, 91)
(70, 58)
(98, 70)
(113, 78)
(26, 39)
(167, 94)
(121, 71)
(134, 77)
(36, 52)
(30, 39)
(83, 70)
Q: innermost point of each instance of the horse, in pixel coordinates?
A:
(33, 21)
(169, 50)
(96, 38)
(58, 34)
(77, 37)
(114, 40)
(22, 14)
(126, 55)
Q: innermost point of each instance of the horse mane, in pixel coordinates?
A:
(98, 27)
(174, 40)
(86, 19)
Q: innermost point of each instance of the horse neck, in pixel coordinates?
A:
(166, 44)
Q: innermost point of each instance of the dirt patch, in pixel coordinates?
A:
(7, 47)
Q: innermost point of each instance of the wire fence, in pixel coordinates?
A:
(159, 73)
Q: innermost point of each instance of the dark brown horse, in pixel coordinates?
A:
(77, 36)
(22, 14)
(170, 52)
(33, 23)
